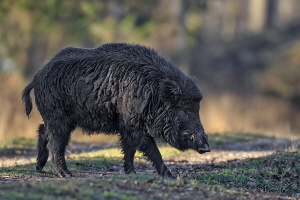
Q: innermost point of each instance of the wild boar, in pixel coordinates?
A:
(117, 88)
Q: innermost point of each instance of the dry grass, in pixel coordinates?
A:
(13, 121)
(232, 113)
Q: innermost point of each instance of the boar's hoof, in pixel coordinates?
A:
(168, 174)
(65, 173)
(130, 171)
(39, 169)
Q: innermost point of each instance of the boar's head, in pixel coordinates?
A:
(182, 127)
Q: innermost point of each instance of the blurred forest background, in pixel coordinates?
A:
(244, 53)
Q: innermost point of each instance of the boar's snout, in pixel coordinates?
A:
(204, 149)
(204, 146)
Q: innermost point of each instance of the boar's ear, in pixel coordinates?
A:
(169, 91)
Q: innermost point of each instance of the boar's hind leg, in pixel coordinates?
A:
(59, 135)
(129, 152)
(128, 160)
(151, 151)
(43, 152)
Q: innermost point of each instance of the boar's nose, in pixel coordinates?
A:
(204, 150)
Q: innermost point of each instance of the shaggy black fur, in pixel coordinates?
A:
(122, 89)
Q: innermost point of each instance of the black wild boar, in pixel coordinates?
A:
(122, 89)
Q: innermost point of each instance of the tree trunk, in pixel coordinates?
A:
(271, 14)
(36, 54)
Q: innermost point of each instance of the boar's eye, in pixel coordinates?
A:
(189, 136)
(192, 138)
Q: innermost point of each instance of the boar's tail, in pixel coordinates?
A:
(27, 99)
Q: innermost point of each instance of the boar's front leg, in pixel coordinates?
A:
(151, 151)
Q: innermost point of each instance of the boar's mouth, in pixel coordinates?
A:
(204, 150)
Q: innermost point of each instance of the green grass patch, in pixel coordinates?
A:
(26, 171)
(65, 189)
(215, 139)
(23, 143)
(116, 153)
(122, 187)
(278, 173)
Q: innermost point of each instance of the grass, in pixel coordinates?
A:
(118, 187)
(229, 137)
(235, 137)
(74, 164)
(275, 175)
(72, 189)
(115, 152)
(23, 143)
(125, 187)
